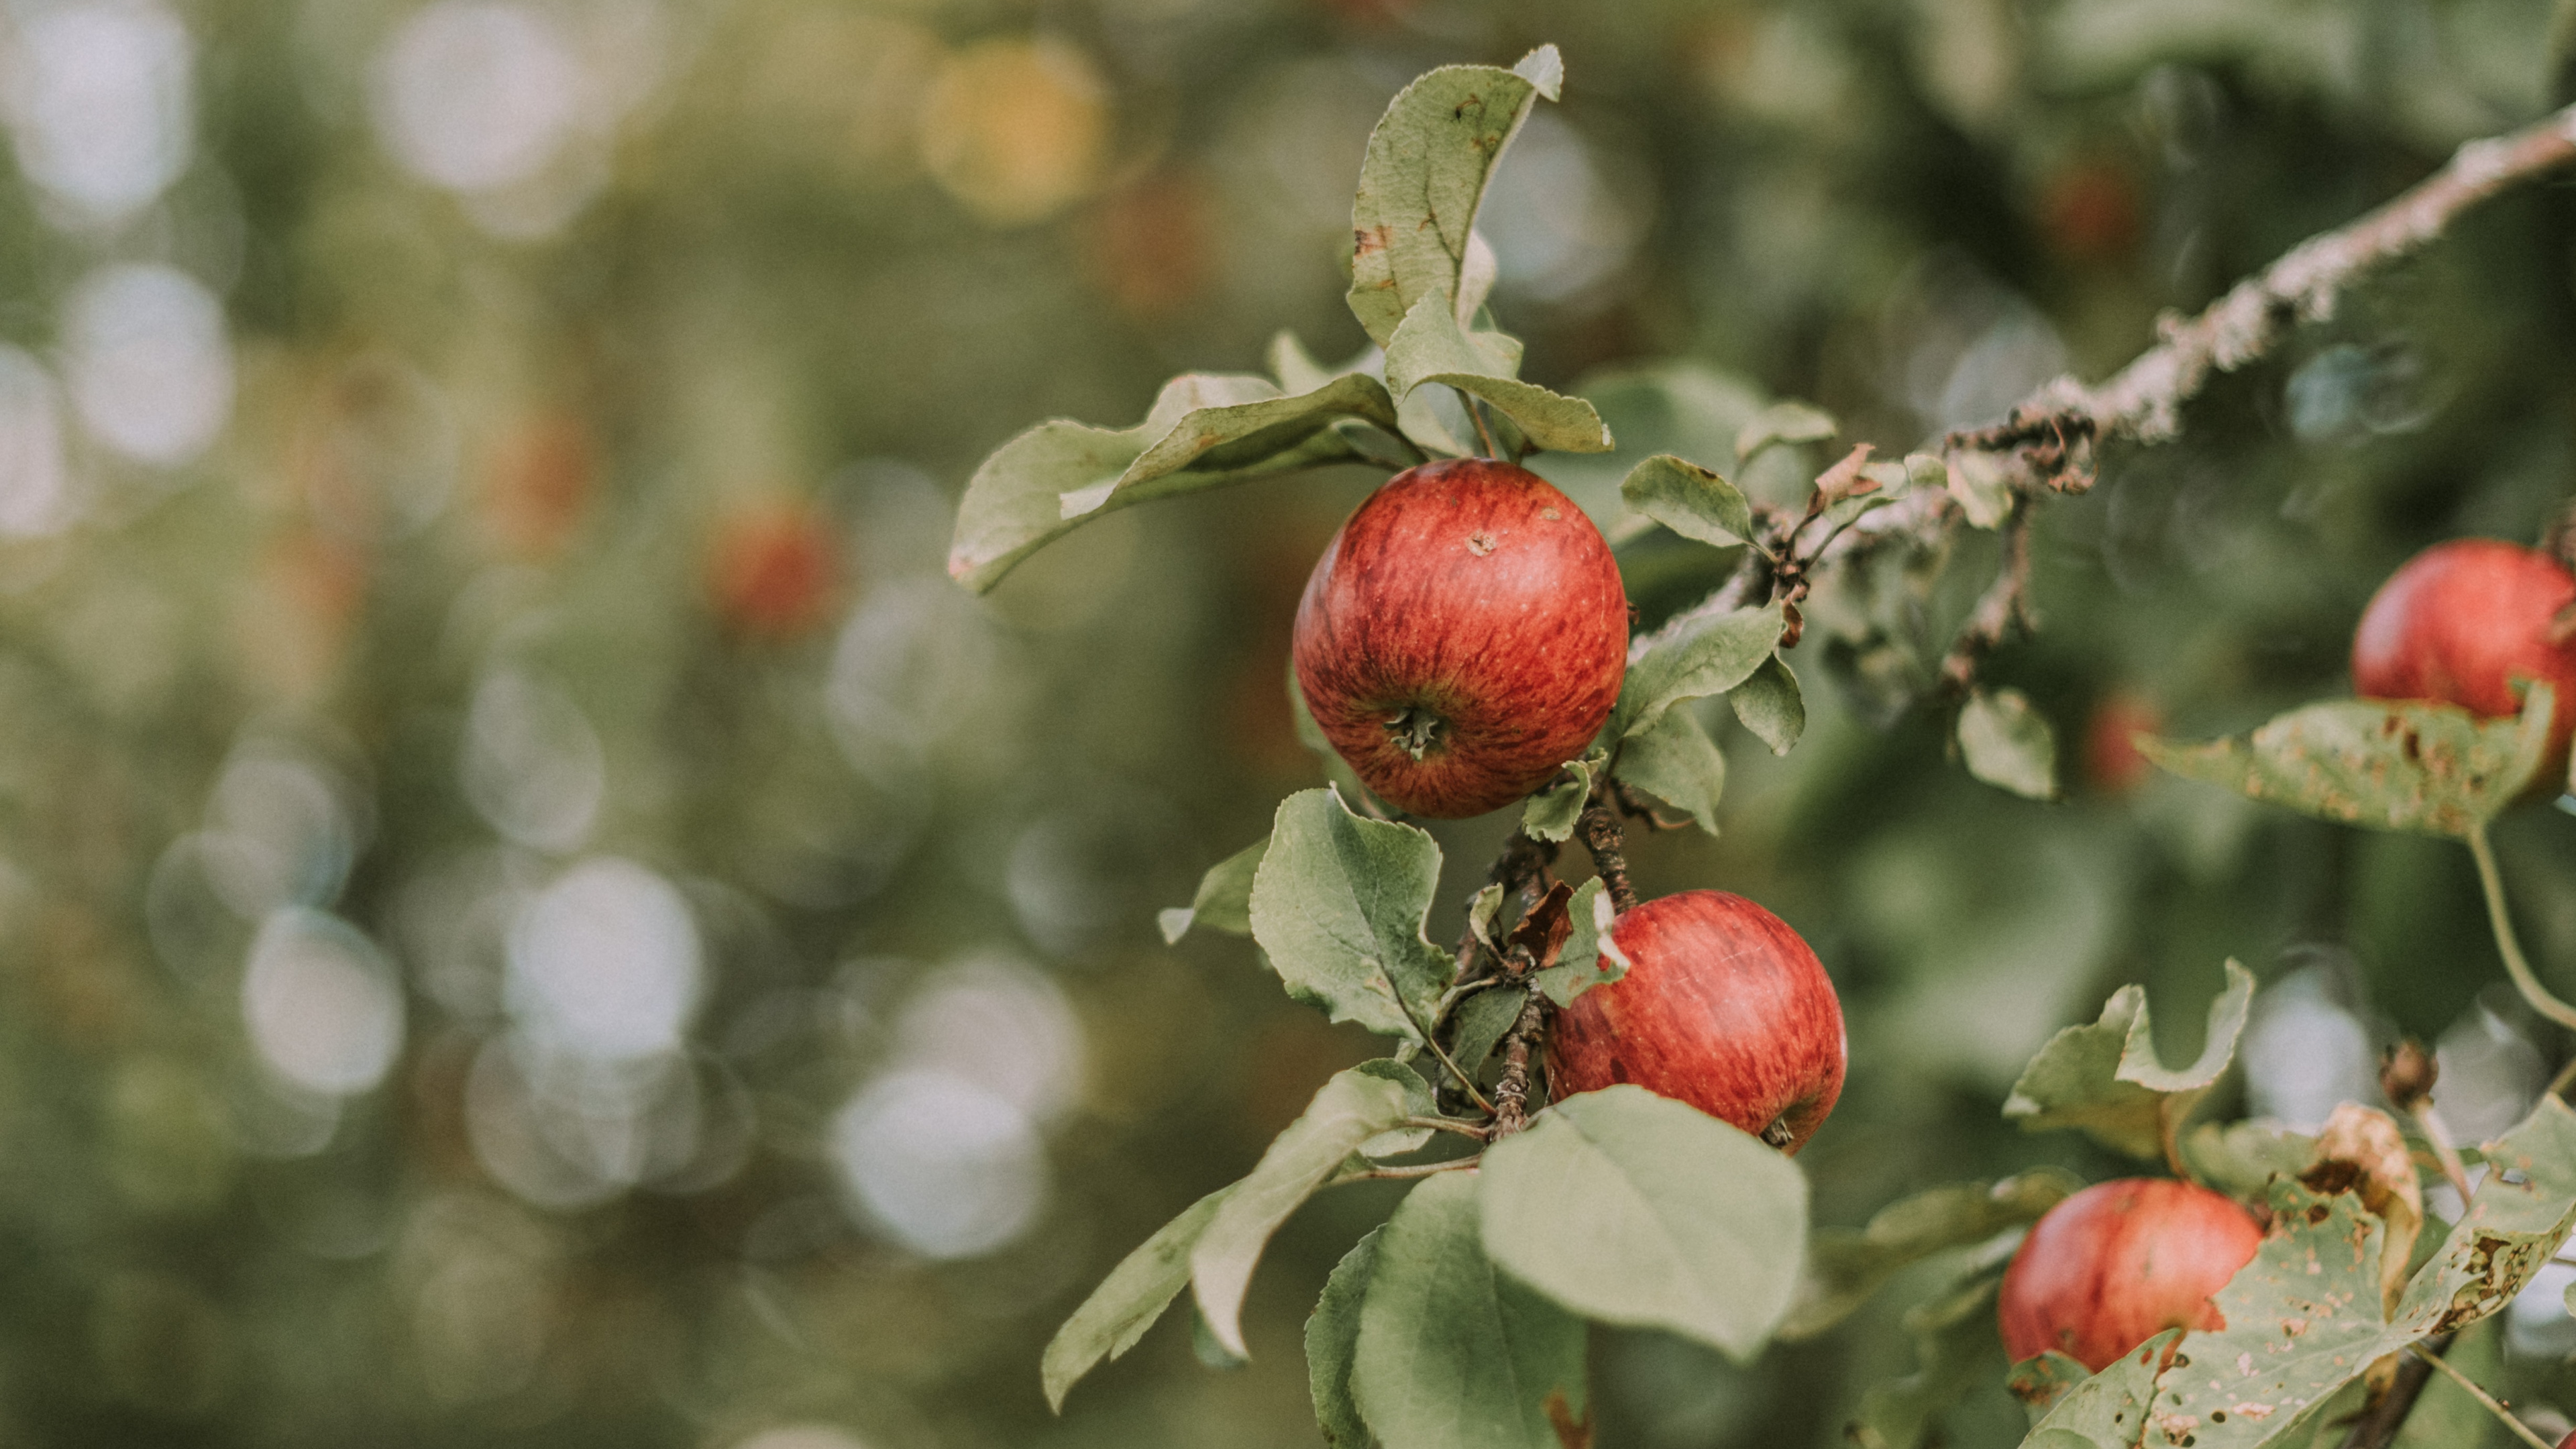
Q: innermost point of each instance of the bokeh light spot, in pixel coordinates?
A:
(99, 104)
(474, 96)
(322, 1003)
(940, 1166)
(35, 481)
(150, 368)
(605, 963)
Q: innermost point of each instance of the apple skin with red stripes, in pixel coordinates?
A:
(2461, 623)
(2119, 1263)
(1463, 636)
(1723, 1006)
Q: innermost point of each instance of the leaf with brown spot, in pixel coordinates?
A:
(2304, 1318)
(1205, 430)
(2432, 768)
(2363, 1146)
(1423, 179)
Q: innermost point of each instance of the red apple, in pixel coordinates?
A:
(1723, 1007)
(1462, 637)
(2111, 755)
(2119, 1263)
(2460, 622)
(776, 571)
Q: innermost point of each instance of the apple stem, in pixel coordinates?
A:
(2501, 918)
(2493, 1405)
(1477, 415)
(2438, 1133)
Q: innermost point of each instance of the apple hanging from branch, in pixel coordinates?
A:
(2120, 1262)
(1463, 636)
(1723, 1006)
(2463, 622)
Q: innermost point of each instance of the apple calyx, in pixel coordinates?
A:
(1417, 730)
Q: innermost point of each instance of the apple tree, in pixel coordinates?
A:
(1595, 1104)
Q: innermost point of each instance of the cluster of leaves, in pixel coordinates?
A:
(1476, 1292)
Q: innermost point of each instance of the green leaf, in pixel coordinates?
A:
(1675, 762)
(1785, 422)
(1127, 1302)
(1418, 1102)
(1551, 813)
(1711, 659)
(2009, 744)
(1424, 177)
(1690, 500)
(1630, 1208)
(1590, 958)
(1205, 1348)
(2107, 1080)
(1452, 1354)
(2110, 1409)
(1846, 1266)
(2303, 1318)
(1224, 899)
(1350, 1109)
(1431, 347)
(2240, 1159)
(1204, 431)
(1770, 705)
(1482, 1020)
(2434, 768)
(1339, 904)
(1333, 1344)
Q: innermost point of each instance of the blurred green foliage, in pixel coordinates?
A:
(531, 912)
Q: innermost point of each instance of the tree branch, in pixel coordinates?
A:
(2378, 1425)
(2049, 438)
(2144, 400)
(1608, 841)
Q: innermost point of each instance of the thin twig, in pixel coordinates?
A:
(1511, 1088)
(2566, 1078)
(1371, 1174)
(2439, 1134)
(1448, 1124)
(2050, 437)
(1602, 835)
(2004, 607)
(2521, 1430)
(2501, 918)
(2144, 400)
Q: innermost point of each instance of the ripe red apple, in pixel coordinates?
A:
(775, 571)
(2119, 1263)
(2111, 757)
(1723, 1007)
(1463, 635)
(2460, 622)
